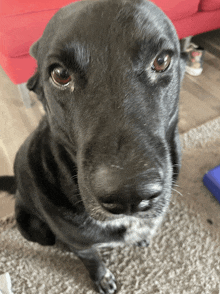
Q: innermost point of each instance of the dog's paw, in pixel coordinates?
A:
(143, 243)
(107, 285)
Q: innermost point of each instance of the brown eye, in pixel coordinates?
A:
(60, 76)
(161, 62)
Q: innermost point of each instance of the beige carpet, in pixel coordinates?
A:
(183, 258)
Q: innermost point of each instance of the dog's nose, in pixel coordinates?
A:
(126, 196)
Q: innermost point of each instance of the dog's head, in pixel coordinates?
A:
(109, 76)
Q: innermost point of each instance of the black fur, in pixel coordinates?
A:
(99, 168)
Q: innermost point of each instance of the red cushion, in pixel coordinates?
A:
(18, 69)
(198, 23)
(19, 29)
(23, 24)
(174, 8)
(18, 32)
(14, 7)
(177, 9)
(208, 5)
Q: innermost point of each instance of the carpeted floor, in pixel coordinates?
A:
(183, 258)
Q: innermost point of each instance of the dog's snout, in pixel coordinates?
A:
(118, 193)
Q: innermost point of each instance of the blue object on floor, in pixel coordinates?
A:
(212, 181)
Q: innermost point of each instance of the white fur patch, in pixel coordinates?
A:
(137, 229)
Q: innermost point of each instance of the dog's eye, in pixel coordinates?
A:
(161, 62)
(60, 76)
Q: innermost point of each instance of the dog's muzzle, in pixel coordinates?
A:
(118, 193)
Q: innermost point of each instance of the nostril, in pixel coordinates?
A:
(115, 208)
(155, 195)
(143, 205)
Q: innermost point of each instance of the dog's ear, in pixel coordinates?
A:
(175, 148)
(34, 84)
(34, 49)
(173, 134)
(174, 144)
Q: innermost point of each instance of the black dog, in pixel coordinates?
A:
(99, 168)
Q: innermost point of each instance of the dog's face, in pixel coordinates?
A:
(108, 75)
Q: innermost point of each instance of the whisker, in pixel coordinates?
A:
(177, 192)
(80, 201)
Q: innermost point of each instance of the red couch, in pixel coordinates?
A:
(22, 23)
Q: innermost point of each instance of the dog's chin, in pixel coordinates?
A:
(139, 227)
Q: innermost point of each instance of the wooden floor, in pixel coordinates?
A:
(210, 41)
(200, 96)
(199, 103)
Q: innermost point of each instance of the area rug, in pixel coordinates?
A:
(183, 258)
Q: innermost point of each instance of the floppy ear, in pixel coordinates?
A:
(34, 49)
(173, 134)
(34, 84)
(174, 144)
(175, 149)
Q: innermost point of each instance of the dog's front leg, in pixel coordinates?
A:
(101, 276)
